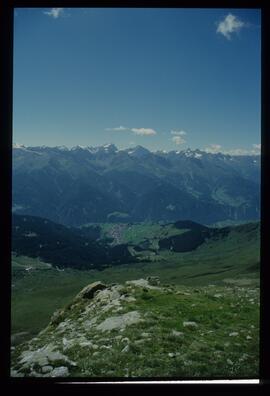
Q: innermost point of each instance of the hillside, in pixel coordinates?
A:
(103, 184)
(63, 246)
(97, 246)
(144, 329)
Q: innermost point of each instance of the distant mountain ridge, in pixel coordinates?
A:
(98, 184)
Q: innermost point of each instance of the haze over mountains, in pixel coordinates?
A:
(103, 184)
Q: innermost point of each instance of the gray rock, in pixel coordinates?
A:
(142, 283)
(15, 373)
(145, 334)
(46, 369)
(125, 339)
(61, 371)
(42, 357)
(234, 334)
(190, 324)
(177, 333)
(89, 290)
(126, 348)
(120, 322)
(218, 295)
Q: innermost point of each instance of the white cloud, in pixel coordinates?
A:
(180, 133)
(238, 151)
(143, 131)
(231, 24)
(120, 128)
(216, 148)
(213, 148)
(178, 140)
(55, 12)
(137, 131)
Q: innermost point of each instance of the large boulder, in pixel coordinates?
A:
(89, 290)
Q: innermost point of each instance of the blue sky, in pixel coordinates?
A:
(167, 79)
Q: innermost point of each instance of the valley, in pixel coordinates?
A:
(39, 288)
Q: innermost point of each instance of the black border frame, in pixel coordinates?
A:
(6, 97)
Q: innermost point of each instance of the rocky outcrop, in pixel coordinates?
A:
(144, 329)
(89, 290)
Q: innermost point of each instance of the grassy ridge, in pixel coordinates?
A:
(211, 331)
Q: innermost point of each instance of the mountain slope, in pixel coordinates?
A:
(81, 185)
(62, 246)
(103, 245)
(144, 329)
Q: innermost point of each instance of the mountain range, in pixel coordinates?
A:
(104, 184)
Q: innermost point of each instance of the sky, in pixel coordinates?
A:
(166, 79)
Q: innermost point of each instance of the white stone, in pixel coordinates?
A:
(142, 283)
(61, 371)
(177, 333)
(234, 334)
(120, 322)
(190, 324)
(46, 369)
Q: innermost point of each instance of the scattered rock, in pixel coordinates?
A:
(126, 348)
(42, 357)
(177, 333)
(88, 324)
(142, 283)
(145, 334)
(128, 298)
(106, 347)
(125, 339)
(86, 344)
(182, 293)
(234, 334)
(15, 373)
(153, 280)
(57, 317)
(138, 342)
(173, 354)
(190, 324)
